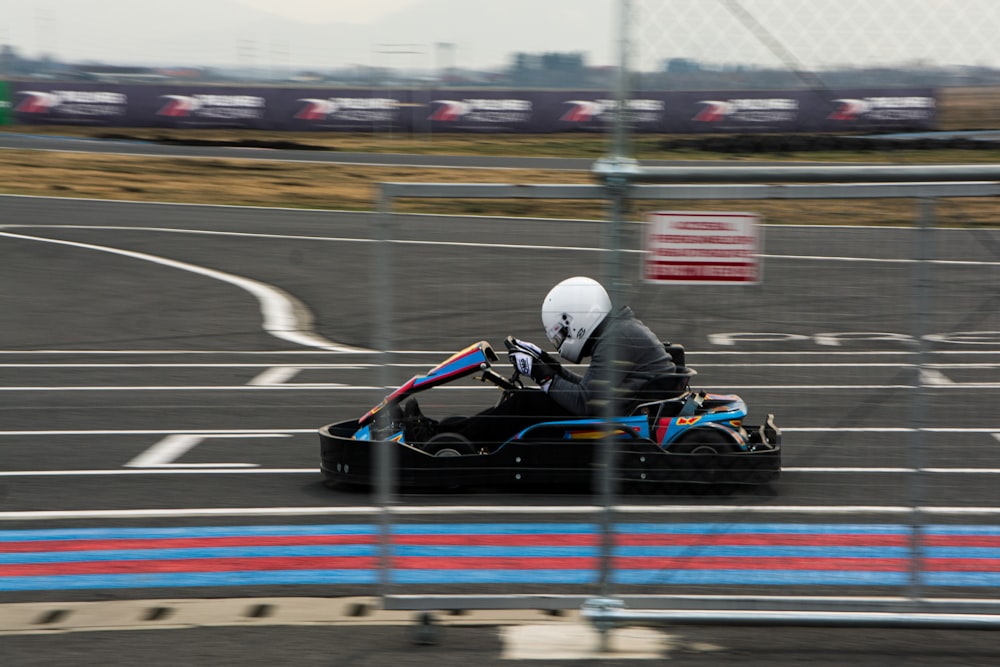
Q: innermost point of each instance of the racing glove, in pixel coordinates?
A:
(531, 360)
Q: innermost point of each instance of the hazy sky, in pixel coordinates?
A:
(294, 34)
(351, 11)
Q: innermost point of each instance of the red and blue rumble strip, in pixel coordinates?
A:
(658, 554)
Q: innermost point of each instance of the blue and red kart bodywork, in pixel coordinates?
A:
(671, 435)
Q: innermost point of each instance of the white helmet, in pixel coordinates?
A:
(571, 312)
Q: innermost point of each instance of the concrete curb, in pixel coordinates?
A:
(161, 614)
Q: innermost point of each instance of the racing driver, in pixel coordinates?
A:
(580, 322)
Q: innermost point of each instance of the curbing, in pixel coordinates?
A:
(162, 614)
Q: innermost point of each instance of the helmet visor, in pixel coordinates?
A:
(558, 332)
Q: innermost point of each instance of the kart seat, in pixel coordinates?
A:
(676, 352)
(666, 386)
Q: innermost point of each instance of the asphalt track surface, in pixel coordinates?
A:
(163, 369)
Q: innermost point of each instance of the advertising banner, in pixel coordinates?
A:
(70, 104)
(226, 107)
(485, 110)
(703, 248)
(352, 110)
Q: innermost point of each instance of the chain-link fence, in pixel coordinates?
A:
(874, 345)
(854, 42)
(756, 46)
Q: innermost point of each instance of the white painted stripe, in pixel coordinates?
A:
(158, 431)
(362, 366)
(285, 317)
(221, 469)
(339, 367)
(346, 239)
(275, 375)
(451, 510)
(903, 471)
(934, 377)
(830, 469)
(882, 260)
(279, 376)
(169, 449)
(811, 258)
(244, 387)
(238, 387)
(217, 469)
(290, 368)
(285, 387)
(332, 239)
(995, 430)
(220, 353)
(446, 353)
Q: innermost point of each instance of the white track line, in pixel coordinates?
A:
(451, 510)
(630, 251)
(438, 354)
(336, 386)
(994, 431)
(221, 469)
(285, 317)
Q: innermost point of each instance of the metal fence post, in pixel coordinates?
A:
(385, 453)
(617, 183)
(918, 403)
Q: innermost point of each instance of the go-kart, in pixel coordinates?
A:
(671, 434)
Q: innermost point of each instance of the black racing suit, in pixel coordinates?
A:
(640, 357)
(622, 345)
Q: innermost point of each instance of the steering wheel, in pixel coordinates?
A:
(507, 384)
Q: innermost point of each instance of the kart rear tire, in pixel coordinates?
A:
(449, 444)
(707, 448)
(704, 441)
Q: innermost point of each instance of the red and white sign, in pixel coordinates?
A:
(693, 247)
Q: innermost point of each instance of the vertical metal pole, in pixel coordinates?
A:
(606, 484)
(385, 459)
(620, 145)
(618, 190)
(918, 404)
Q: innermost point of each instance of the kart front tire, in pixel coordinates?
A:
(449, 444)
